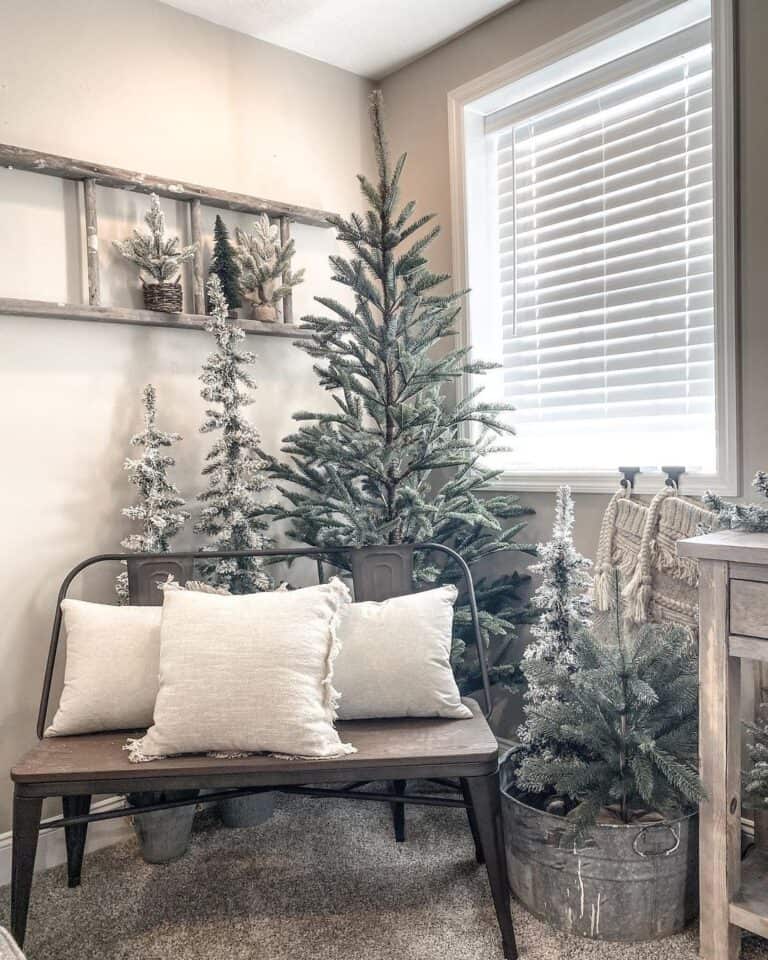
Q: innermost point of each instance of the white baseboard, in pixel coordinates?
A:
(51, 850)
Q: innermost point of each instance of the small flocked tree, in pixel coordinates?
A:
(232, 515)
(620, 742)
(742, 516)
(563, 607)
(160, 510)
(159, 258)
(265, 264)
(224, 264)
(395, 462)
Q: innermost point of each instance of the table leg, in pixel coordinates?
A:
(720, 759)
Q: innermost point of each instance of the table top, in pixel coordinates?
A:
(736, 546)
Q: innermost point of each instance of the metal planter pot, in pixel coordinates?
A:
(632, 883)
(163, 834)
(247, 811)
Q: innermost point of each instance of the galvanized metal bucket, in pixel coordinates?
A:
(631, 882)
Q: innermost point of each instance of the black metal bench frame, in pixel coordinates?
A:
(378, 573)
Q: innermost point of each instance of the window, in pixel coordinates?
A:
(591, 236)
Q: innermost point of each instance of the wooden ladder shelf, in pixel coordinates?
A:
(92, 175)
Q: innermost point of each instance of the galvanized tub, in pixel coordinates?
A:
(630, 882)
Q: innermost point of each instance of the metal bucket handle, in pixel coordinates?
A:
(659, 853)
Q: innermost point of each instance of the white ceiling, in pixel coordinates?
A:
(369, 37)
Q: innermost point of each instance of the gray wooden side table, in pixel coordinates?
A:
(733, 625)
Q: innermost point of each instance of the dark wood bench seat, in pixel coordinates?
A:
(61, 765)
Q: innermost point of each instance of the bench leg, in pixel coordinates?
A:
(75, 836)
(398, 811)
(486, 800)
(26, 826)
(472, 821)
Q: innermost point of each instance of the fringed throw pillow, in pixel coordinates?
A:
(247, 674)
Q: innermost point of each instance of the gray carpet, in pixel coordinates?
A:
(322, 880)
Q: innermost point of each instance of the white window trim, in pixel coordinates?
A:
(466, 123)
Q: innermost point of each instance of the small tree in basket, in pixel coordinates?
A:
(224, 264)
(742, 516)
(265, 264)
(232, 515)
(395, 463)
(160, 510)
(620, 741)
(563, 605)
(159, 259)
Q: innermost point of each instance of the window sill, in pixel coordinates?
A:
(606, 483)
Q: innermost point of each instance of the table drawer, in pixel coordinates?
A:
(749, 608)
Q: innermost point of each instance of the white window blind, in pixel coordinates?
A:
(605, 267)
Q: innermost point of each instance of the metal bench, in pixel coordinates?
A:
(460, 753)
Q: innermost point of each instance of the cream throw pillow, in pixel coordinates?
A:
(247, 674)
(110, 677)
(395, 658)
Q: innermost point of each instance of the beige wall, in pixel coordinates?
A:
(143, 86)
(416, 104)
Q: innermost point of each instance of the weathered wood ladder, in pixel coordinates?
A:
(92, 175)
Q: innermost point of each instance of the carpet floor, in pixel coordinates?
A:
(322, 880)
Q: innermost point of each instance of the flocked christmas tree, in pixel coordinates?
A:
(232, 516)
(394, 462)
(160, 511)
(265, 267)
(563, 607)
(224, 264)
(742, 516)
(159, 258)
(620, 741)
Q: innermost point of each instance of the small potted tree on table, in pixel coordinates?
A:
(600, 796)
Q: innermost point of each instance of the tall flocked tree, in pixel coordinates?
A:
(160, 510)
(394, 462)
(562, 604)
(232, 516)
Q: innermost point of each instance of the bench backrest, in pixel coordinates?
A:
(378, 573)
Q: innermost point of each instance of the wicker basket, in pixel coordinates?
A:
(165, 297)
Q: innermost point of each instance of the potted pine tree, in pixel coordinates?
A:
(600, 796)
(159, 259)
(232, 514)
(265, 268)
(160, 512)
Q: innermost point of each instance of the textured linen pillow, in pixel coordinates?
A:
(110, 677)
(395, 658)
(247, 674)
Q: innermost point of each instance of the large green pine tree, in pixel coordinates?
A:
(395, 461)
